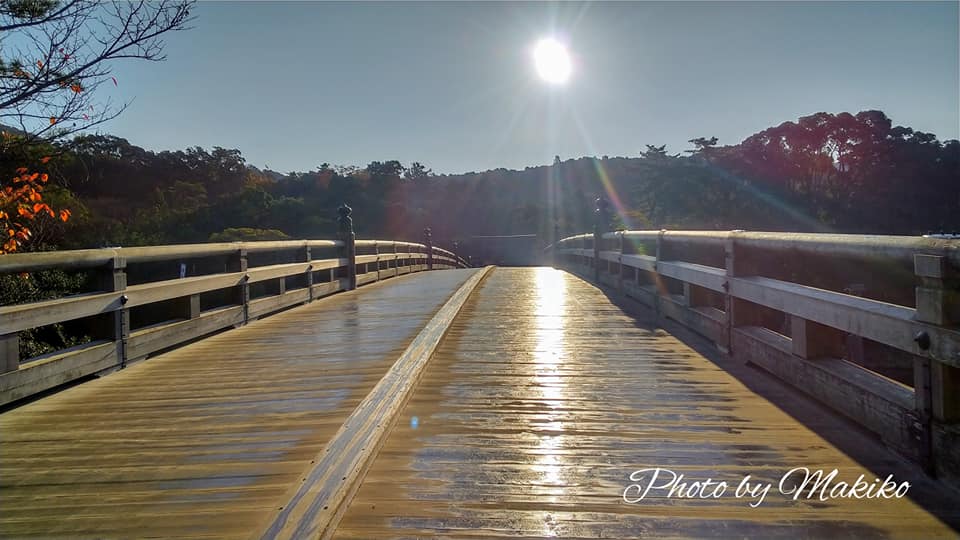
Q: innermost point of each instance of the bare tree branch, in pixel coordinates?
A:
(61, 54)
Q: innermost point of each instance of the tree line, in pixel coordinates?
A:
(825, 172)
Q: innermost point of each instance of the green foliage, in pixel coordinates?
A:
(37, 286)
(26, 9)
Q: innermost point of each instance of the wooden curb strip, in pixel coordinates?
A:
(314, 508)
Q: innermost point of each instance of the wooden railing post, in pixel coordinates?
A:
(601, 223)
(595, 262)
(730, 262)
(113, 278)
(238, 263)
(938, 302)
(9, 352)
(309, 277)
(428, 241)
(189, 306)
(349, 240)
(622, 249)
(658, 283)
(813, 340)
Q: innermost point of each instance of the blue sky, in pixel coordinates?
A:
(294, 85)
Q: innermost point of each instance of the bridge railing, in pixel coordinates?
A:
(124, 304)
(867, 324)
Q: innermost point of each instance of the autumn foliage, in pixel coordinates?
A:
(21, 201)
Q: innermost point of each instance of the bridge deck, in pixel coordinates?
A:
(541, 400)
(544, 397)
(205, 440)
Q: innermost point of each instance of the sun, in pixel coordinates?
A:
(552, 61)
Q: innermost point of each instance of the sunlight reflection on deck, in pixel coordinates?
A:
(551, 298)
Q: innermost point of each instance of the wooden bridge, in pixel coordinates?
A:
(341, 389)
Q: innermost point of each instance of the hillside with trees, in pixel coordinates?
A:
(825, 172)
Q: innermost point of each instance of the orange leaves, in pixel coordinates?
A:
(75, 86)
(45, 159)
(21, 201)
(43, 207)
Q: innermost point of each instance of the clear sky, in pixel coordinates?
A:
(294, 85)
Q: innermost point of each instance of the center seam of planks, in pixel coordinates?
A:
(315, 506)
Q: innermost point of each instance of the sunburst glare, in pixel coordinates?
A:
(552, 61)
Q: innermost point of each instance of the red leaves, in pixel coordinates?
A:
(21, 202)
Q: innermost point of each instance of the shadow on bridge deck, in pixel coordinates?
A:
(544, 397)
(206, 440)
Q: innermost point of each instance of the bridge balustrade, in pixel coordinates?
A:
(869, 325)
(134, 302)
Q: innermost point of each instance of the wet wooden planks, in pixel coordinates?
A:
(542, 400)
(206, 440)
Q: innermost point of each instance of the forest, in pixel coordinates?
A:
(855, 173)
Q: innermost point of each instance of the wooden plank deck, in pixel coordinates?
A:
(204, 441)
(545, 396)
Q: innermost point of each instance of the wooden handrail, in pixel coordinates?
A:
(189, 306)
(730, 300)
(841, 245)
